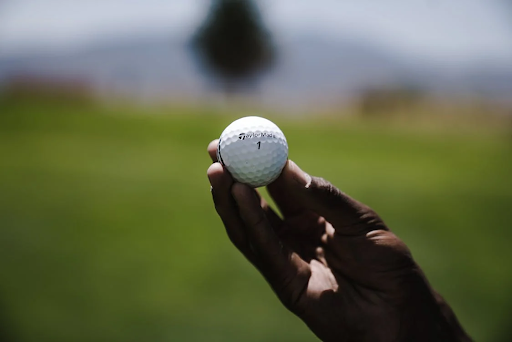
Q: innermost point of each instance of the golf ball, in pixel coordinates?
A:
(254, 150)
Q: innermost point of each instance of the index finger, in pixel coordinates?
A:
(274, 219)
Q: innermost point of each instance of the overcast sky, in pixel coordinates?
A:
(453, 31)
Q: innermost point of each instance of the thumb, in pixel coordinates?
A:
(295, 191)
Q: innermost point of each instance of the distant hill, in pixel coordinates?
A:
(309, 69)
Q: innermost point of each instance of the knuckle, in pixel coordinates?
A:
(326, 192)
(369, 217)
(394, 252)
(321, 184)
(257, 220)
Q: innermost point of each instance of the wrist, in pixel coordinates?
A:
(432, 319)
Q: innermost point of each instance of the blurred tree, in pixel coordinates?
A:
(233, 43)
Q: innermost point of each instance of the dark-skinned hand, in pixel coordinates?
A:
(331, 260)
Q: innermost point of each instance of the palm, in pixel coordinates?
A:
(345, 280)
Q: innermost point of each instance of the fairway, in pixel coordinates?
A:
(108, 232)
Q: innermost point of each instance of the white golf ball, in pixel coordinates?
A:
(254, 150)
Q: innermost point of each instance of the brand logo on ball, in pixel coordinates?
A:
(243, 136)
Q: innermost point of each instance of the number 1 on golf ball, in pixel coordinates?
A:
(254, 150)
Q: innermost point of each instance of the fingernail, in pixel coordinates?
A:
(308, 180)
(300, 176)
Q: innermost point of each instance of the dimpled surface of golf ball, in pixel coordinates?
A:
(254, 150)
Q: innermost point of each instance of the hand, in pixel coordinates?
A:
(332, 261)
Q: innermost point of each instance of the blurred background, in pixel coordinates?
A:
(107, 230)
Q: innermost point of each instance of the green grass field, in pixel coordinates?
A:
(108, 233)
